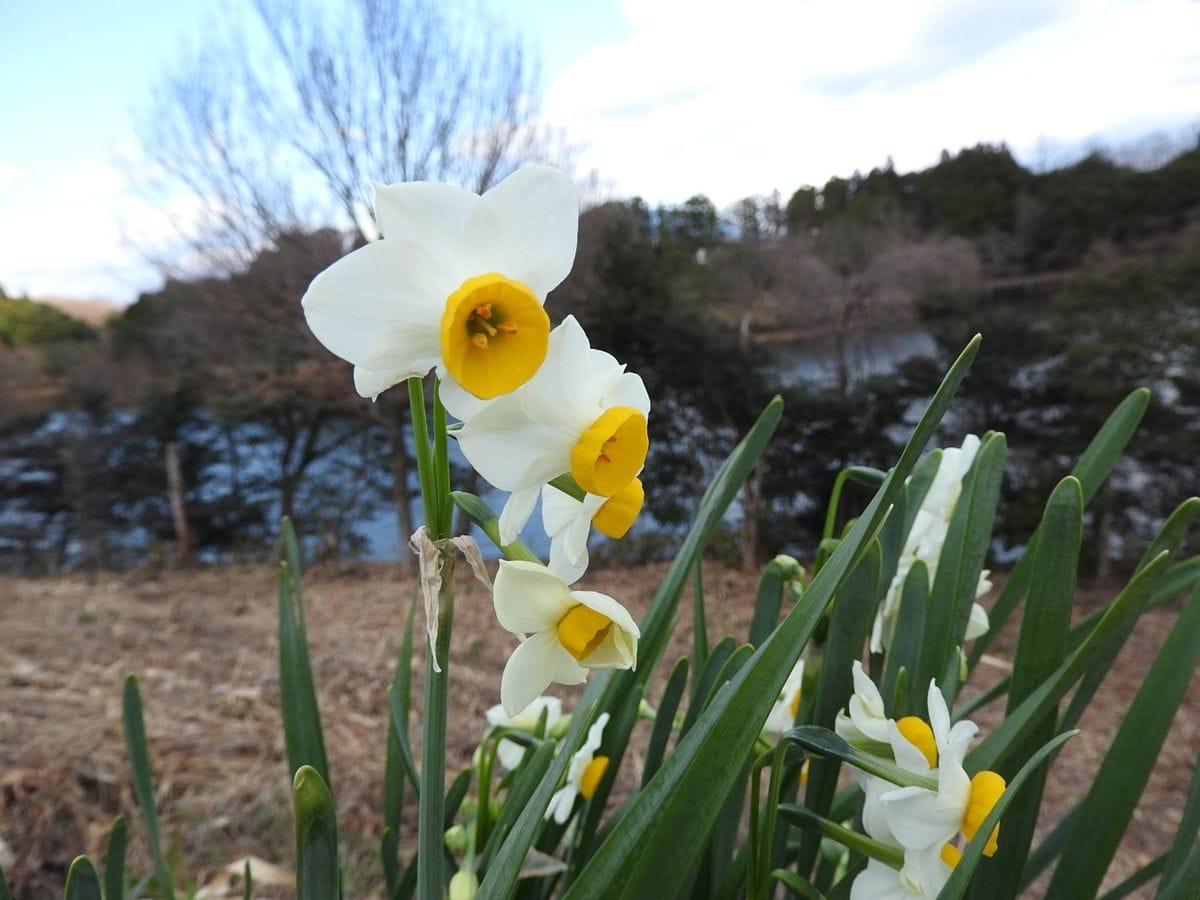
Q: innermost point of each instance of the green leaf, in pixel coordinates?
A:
(1127, 765)
(399, 762)
(1041, 647)
(706, 683)
(1168, 540)
(1182, 885)
(853, 613)
(82, 881)
(954, 584)
(797, 885)
(1144, 875)
(904, 654)
(316, 837)
(699, 619)
(960, 877)
(139, 762)
(654, 848)
(994, 749)
(1189, 827)
(5, 893)
(114, 860)
(1092, 468)
(781, 571)
(664, 719)
(302, 735)
(524, 782)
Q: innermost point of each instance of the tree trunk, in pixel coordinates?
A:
(184, 552)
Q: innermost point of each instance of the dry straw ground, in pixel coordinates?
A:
(203, 644)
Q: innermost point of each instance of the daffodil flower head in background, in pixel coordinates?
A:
(583, 775)
(510, 753)
(783, 713)
(581, 414)
(925, 541)
(922, 877)
(568, 523)
(563, 633)
(457, 283)
(920, 818)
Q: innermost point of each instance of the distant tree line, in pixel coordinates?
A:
(220, 373)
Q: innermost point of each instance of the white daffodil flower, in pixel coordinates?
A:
(568, 523)
(925, 540)
(581, 413)
(583, 775)
(457, 282)
(783, 713)
(564, 633)
(865, 724)
(510, 753)
(924, 874)
(920, 818)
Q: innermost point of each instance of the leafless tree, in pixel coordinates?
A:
(280, 125)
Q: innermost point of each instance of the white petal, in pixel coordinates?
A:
(528, 671)
(516, 512)
(939, 716)
(526, 227)
(380, 306)
(878, 881)
(918, 818)
(609, 608)
(370, 383)
(529, 598)
(978, 624)
(430, 214)
(562, 803)
(459, 402)
(559, 510)
(569, 570)
(510, 754)
(512, 449)
(567, 671)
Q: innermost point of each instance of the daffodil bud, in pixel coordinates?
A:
(456, 839)
(464, 885)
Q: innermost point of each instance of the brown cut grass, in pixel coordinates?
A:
(203, 645)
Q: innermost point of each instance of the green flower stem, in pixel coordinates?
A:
(431, 881)
(433, 469)
(824, 742)
(479, 513)
(569, 486)
(803, 817)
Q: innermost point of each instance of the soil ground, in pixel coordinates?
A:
(203, 645)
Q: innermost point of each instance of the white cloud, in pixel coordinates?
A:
(8, 174)
(733, 99)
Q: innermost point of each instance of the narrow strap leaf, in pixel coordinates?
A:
(139, 761)
(316, 837)
(82, 881)
(114, 860)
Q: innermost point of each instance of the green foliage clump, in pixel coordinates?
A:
(25, 322)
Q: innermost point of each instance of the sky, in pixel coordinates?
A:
(663, 99)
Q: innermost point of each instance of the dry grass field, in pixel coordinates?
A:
(203, 643)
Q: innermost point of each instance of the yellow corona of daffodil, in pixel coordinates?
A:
(564, 633)
(582, 414)
(457, 283)
(569, 522)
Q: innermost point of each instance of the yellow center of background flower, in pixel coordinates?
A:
(950, 855)
(620, 510)
(611, 451)
(590, 779)
(986, 788)
(582, 630)
(494, 335)
(918, 733)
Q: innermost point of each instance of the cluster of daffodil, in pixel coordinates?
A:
(915, 823)
(457, 286)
